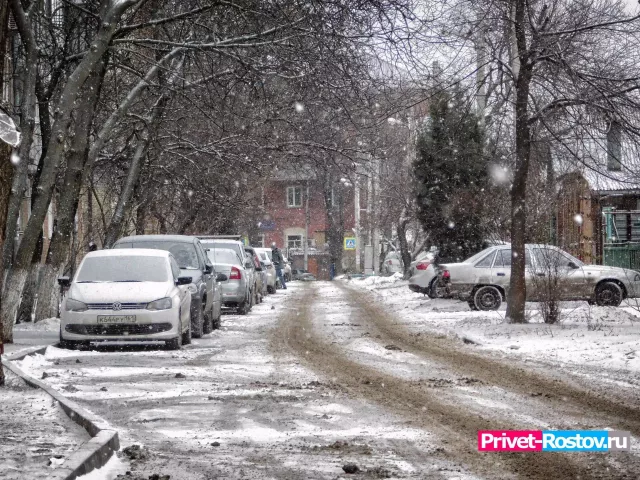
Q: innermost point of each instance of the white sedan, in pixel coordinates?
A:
(126, 294)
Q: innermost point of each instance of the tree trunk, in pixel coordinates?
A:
(404, 245)
(27, 125)
(58, 255)
(55, 150)
(517, 287)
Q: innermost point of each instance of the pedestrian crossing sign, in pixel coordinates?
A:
(350, 243)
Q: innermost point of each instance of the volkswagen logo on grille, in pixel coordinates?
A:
(117, 306)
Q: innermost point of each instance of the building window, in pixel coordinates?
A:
(294, 241)
(294, 197)
(260, 241)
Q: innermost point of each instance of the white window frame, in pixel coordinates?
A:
(294, 204)
(261, 240)
(298, 243)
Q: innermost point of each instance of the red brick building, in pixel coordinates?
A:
(296, 202)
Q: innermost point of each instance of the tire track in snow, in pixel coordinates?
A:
(456, 425)
(511, 377)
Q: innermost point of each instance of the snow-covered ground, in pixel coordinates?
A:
(35, 433)
(603, 337)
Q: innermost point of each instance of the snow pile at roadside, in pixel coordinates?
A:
(46, 325)
(375, 281)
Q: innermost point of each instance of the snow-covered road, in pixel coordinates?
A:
(323, 375)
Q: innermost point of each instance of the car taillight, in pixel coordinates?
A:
(389, 262)
(446, 275)
(423, 265)
(235, 274)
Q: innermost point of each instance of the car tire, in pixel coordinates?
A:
(487, 298)
(608, 294)
(432, 290)
(186, 336)
(472, 305)
(197, 324)
(217, 321)
(207, 326)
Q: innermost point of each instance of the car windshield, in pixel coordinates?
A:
(184, 253)
(125, 268)
(223, 256)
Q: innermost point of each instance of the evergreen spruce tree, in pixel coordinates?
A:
(450, 177)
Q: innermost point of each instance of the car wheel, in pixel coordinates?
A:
(435, 288)
(608, 294)
(217, 321)
(472, 305)
(207, 326)
(487, 298)
(186, 336)
(271, 289)
(197, 324)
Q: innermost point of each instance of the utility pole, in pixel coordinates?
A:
(356, 202)
(375, 216)
(305, 245)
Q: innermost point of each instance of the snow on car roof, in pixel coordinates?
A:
(129, 252)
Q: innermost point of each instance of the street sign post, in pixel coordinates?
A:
(350, 243)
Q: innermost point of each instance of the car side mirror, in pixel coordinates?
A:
(221, 277)
(573, 265)
(208, 269)
(64, 281)
(184, 280)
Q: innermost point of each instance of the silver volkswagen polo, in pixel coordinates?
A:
(126, 294)
(483, 280)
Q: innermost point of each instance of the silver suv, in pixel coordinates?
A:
(483, 279)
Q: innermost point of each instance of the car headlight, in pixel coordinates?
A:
(72, 305)
(192, 289)
(162, 304)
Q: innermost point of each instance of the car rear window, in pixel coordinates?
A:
(184, 253)
(223, 256)
(487, 261)
(125, 268)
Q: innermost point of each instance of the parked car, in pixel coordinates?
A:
(206, 301)
(224, 241)
(301, 274)
(424, 275)
(236, 291)
(130, 295)
(261, 275)
(392, 263)
(252, 276)
(483, 279)
(265, 259)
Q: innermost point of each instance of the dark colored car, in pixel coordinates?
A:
(193, 262)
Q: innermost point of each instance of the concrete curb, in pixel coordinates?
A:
(90, 455)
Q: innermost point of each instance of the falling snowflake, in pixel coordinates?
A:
(451, 225)
(190, 193)
(499, 174)
(299, 107)
(578, 219)
(236, 183)
(15, 158)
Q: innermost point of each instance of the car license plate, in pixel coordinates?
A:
(116, 319)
